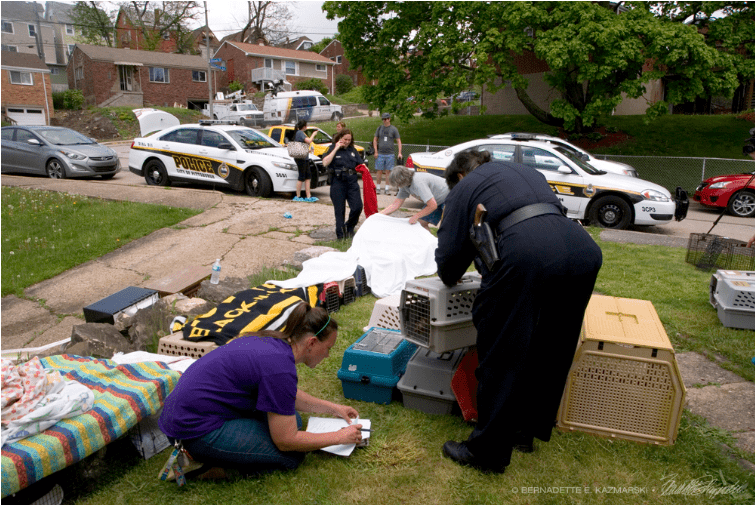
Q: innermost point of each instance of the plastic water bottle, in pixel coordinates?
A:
(215, 278)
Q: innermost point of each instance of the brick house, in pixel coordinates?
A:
(505, 101)
(113, 77)
(255, 64)
(27, 90)
(127, 35)
(334, 51)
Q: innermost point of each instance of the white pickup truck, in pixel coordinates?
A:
(244, 112)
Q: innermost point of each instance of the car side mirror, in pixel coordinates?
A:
(226, 145)
(585, 157)
(34, 142)
(563, 169)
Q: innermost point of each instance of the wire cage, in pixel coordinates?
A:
(348, 288)
(707, 252)
(360, 277)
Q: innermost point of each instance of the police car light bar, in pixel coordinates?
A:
(210, 122)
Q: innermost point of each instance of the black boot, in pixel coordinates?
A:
(460, 453)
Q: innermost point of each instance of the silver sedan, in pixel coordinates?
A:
(56, 152)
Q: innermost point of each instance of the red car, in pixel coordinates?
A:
(735, 192)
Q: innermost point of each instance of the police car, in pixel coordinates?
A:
(221, 155)
(607, 200)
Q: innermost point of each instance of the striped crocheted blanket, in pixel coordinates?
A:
(124, 395)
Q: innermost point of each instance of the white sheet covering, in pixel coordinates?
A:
(390, 250)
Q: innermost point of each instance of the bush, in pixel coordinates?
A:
(343, 84)
(235, 86)
(313, 84)
(71, 99)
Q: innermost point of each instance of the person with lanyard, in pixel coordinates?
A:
(528, 311)
(430, 189)
(305, 175)
(341, 159)
(236, 407)
(385, 136)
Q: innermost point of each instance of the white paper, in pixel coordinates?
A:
(329, 425)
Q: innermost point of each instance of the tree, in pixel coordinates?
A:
(162, 20)
(596, 56)
(268, 20)
(95, 23)
(727, 26)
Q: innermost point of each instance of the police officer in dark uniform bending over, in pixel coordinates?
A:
(529, 309)
(342, 158)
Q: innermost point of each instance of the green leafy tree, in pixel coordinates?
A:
(727, 26)
(160, 20)
(344, 84)
(312, 84)
(95, 23)
(596, 56)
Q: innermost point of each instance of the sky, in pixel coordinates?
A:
(228, 16)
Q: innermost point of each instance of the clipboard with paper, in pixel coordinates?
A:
(328, 425)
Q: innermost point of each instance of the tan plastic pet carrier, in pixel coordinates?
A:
(625, 381)
(175, 345)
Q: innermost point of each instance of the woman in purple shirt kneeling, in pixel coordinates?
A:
(236, 407)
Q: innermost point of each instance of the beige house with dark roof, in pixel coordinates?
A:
(255, 65)
(111, 76)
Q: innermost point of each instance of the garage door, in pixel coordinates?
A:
(26, 116)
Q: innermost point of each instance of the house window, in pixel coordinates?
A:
(79, 73)
(157, 74)
(69, 30)
(21, 78)
(32, 30)
(305, 46)
(320, 68)
(12, 49)
(268, 63)
(291, 68)
(166, 36)
(70, 48)
(198, 76)
(338, 59)
(7, 27)
(54, 70)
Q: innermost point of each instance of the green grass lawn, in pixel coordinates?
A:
(45, 233)
(403, 463)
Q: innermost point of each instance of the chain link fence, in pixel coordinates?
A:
(666, 171)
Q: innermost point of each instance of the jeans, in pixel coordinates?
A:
(246, 445)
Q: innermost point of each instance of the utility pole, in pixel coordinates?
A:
(209, 64)
(38, 38)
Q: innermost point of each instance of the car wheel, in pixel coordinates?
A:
(55, 169)
(155, 173)
(610, 212)
(742, 204)
(337, 116)
(257, 182)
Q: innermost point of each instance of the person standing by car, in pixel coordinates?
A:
(340, 126)
(303, 164)
(430, 189)
(529, 309)
(385, 136)
(342, 158)
(238, 406)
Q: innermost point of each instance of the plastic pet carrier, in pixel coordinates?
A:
(175, 345)
(348, 290)
(360, 278)
(372, 365)
(426, 385)
(720, 275)
(385, 313)
(437, 316)
(735, 302)
(625, 381)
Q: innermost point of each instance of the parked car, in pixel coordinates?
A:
(56, 152)
(466, 96)
(290, 106)
(735, 193)
(284, 133)
(229, 156)
(613, 167)
(607, 200)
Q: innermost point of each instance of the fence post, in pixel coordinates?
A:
(703, 178)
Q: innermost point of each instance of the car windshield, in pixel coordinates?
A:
(64, 137)
(321, 137)
(246, 106)
(578, 161)
(248, 138)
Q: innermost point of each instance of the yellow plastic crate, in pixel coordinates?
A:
(625, 381)
(175, 345)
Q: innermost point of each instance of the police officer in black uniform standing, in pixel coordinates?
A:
(529, 309)
(342, 158)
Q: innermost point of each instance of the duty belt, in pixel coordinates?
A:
(527, 212)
